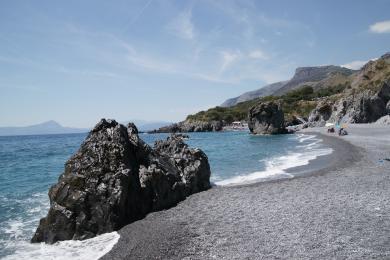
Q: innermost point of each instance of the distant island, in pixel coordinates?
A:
(48, 127)
(53, 127)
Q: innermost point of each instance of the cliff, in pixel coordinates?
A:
(304, 76)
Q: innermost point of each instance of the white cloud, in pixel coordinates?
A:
(380, 27)
(182, 26)
(354, 65)
(258, 54)
(222, 66)
(228, 58)
(357, 64)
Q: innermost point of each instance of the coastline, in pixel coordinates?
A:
(325, 163)
(340, 211)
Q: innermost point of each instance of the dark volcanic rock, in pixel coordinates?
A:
(98, 192)
(174, 172)
(115, 178)
(192, 163)
(266, 118)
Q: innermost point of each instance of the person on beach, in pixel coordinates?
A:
(342, 132)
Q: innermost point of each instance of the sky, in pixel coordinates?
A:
(78, 61)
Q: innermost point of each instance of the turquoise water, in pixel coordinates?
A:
(29, 165)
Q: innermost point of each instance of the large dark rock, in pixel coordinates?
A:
(192, 163)
(115, 178)
(266, 118)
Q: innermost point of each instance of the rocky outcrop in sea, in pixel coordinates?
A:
(115, 178)
(266, 118)
(191, 126)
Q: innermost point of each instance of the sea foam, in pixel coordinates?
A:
(16, 232)
(89, 249)
(275, 167)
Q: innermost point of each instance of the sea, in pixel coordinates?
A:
(29, 165)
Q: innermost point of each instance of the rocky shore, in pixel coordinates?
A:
(115, 179)
(313, 97)
(191, 126)
(339, 211)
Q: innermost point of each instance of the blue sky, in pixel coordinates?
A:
(78, 61)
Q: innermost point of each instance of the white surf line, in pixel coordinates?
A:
(276, 167)
(89, 249)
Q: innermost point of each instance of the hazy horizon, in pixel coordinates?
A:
(77, 62)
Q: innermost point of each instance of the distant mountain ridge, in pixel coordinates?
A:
(48, 127)
(53, 127)
(262, 92)
(145, 126)
(311, 76)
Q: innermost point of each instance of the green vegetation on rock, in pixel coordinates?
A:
(350, 88)
(295, 103)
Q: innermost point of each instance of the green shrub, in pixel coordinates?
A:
(296, 102)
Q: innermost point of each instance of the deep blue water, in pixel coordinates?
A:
(29, 165)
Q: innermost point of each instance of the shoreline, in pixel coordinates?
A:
(324, 163)
(320, 162)
(339, 211)
(66, 246)
(317, 166)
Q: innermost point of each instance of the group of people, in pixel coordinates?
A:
(341, 130)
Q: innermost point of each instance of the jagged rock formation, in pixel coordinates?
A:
(365, 100)
(191, 126)
(266, 118)
(363, 107)
(321, 114)
(368, 98)
(115, 178)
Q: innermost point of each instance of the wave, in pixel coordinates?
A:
(23, 214)
(275, 167)
(16, 233)
(88, 249)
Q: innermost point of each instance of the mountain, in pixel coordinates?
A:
(309, 76)
(49, 127)
(318, 95)
(262, 92)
